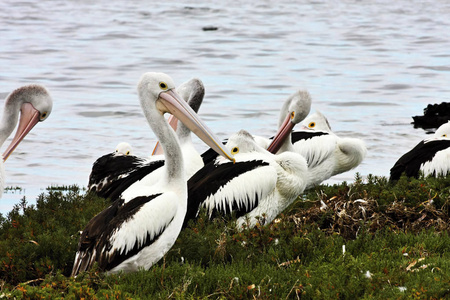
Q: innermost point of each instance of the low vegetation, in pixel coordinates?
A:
(369, 239)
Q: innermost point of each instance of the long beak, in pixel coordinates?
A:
(282, 134)
(173, 122)
(29, 117)
(183, 112)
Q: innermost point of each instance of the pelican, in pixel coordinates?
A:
(430, 157)
(124, 148)
(259, 183)
(34, 104)
(113, 173)
(141, 225)
(326, 153)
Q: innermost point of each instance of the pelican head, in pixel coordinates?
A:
(123, 149)
(192, 91)
(35, 105)
(241, 142)
(294, 110)
(161, 88)
(442, 133)
(316, 121)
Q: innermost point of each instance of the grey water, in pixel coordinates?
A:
(368, 65)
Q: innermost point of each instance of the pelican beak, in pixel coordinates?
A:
(29, 117)
(282, 134)
(173, 122)
(183, 112)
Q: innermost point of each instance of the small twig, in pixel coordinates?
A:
(292, 289)
(29, 281)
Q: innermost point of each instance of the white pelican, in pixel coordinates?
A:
(258, 184)
(112, 173)
(34, 104)
(141, 226)
(326, 153)
(430, 157)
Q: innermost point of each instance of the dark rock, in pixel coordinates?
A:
(434, 115)
(210, 28)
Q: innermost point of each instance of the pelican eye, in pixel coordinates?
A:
(128, 153)
(312, 125)
(292, 114)
(163, 85)
(44, 115)
(235, 150)
(444, 135)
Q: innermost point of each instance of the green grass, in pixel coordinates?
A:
(396, 240)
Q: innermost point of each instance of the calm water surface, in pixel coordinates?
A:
(369, 68)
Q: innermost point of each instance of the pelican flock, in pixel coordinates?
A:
(34, 104)
(250, 177)
(143, 222)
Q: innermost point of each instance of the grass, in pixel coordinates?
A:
(367, 240)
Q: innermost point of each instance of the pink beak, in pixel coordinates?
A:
(183, 112)
(29, 117)
(282, 134)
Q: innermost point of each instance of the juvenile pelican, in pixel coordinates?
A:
(34, 104)
(142, 224)
(430, 157)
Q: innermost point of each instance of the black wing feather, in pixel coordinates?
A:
(304, 135)
(112, 174)
(97, 233)
(411, 161)
(210, 155)
(208, 181)
(124, 183)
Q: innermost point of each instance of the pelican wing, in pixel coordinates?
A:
(411, 162)
(306, 135)
(107, 238)
(314, 146)
(225, 188)
(112, 174)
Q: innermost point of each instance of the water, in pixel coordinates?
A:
(368, 66)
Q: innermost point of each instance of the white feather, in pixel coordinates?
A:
(439, 165)
(150, 220)
(244, 188)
